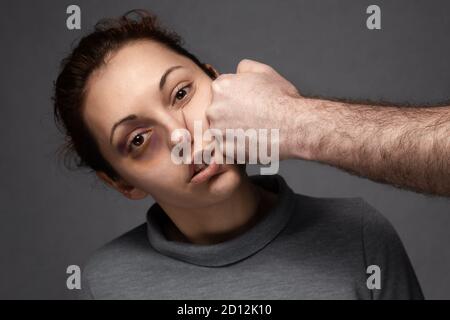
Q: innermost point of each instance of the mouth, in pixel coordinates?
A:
(203, 172)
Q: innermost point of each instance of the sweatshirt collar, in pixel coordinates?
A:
(237, 248)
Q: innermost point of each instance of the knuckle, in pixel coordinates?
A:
(211, 112)
(223, 77)
(215, 85)
(266, 67)
(243, 64)
(223, 81)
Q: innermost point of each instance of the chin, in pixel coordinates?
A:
(223, 185)
(226, 182)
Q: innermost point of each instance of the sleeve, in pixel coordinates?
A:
(384, 250)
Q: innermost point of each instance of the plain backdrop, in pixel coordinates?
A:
(51, 217)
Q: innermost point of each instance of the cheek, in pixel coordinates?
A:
(196, 108)
(155, 142)
(155, 173)
(204, 97)
(153, 153)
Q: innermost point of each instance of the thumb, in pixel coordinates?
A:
(247, 65)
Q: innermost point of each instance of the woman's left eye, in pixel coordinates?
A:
(181, 93)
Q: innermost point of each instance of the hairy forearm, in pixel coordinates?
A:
(404, 146)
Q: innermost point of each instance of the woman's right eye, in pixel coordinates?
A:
(138, 140)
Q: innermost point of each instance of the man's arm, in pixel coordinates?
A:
(403, 146)
(406, 147)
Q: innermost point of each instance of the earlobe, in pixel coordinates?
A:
(124, 188)
(106, 179)
(134, 194)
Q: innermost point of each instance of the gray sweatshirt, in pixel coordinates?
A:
(303, 248)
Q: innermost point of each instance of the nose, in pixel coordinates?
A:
(196, 123)
(189, 127)
(177, 130)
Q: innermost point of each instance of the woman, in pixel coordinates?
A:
(120, 94)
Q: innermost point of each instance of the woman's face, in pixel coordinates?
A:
(133, 104)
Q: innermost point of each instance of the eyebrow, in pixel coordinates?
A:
(162, 82)
(118, 123)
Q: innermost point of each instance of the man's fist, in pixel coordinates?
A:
(256, 97)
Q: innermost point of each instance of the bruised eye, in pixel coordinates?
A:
(139, 140)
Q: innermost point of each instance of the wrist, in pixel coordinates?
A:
(305, 129)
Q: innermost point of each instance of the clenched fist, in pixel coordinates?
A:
(256, 97)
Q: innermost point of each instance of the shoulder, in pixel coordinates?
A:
(113, 262)
(345, 220)
(349, 223)
(353, 233)
(128, 243)
(353, 212)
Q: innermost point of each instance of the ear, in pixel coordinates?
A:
(122, 186)
(212, 70)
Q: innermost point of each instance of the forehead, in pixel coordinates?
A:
(126, 69)
(130, 74)
(144, 57)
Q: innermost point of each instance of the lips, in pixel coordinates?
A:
(202, 172)
(203, 175)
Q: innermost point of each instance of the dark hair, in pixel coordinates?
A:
(108, 36)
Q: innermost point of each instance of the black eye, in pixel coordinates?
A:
(180, 94)
(138, 140)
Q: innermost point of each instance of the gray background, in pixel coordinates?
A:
(51, 217)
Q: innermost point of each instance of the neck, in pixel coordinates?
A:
(221, 221)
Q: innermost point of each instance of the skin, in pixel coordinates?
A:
(128, 86)
(405, 147)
